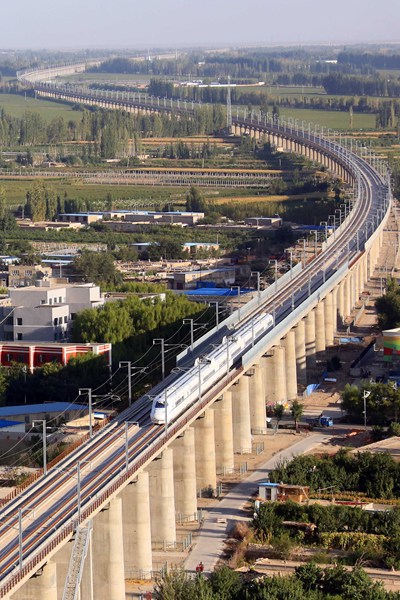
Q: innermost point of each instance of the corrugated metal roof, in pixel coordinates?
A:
(50, 407)
(4, 423)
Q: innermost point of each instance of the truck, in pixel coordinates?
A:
(321, 421)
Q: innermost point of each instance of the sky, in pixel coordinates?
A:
(175, 23)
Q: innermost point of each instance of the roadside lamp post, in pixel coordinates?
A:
(303, 254)
(366, 393)
(216, 313)
(128, 364)
(78, 484)
(237, 287)
(20, 533)
(290, 252)
(161, 341)
(191, 323)
(88, 391)
(44, 439)
(275, 263)
(326, 228)
(315, 232)
(257, 275)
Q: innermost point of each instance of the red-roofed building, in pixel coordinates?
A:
(35, 354)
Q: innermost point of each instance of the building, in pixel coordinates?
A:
(35, 355)
(194, 247)
(273, 492)
(84, 218)
(144, 217)
(24, 275)
(56, 412)
(11, 426)
(222, 276)
(6, 260)
(391, 344)
(264, 221)
(44, 312)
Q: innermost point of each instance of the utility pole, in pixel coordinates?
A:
(162, 342)
(229, 107)
(88, 391)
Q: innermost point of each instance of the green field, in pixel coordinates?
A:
(330, 118)
(16, 106)
(16, 192)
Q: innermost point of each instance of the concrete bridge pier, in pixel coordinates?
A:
(241, 415)
(361, 274)
(104, 575)
(328, 317)
(290, 365)
(162, 498)
(279, 380)
(347, 297)
(137, 529)
(310, 339)
(185, 475)
(257, 401)
(301, 360)
(206, 477)
(341, 302)
(320, 344)
(335, 293)
(42, 586)
(224, 458)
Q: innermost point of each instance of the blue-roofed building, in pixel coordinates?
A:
(53, 412)
(11, 426)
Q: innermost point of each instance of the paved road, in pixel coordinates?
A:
(209, 544)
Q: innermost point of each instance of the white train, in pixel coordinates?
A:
(207, 370)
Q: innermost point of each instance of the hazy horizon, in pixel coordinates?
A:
(156, 23)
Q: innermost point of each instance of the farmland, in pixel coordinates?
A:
(16, 105)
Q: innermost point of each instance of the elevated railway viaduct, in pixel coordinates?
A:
(119, 494)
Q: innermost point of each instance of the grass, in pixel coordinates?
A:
(330, 118)
(259, 199)
(16, 106)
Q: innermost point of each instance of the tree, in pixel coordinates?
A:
(278, 412)
(310, 576)
(36, 202)
(297, 410)
(194, 200)
(388, 306)
(225, 583)
(97, 267)
(3, 203)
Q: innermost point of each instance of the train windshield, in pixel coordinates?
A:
(159, 404)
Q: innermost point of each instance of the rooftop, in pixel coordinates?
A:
(4, 423)
(50, 407)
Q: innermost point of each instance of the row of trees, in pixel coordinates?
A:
(309, 582)
(52, 382)
(110, 130)
(131, 325)
(376, 475)
(381, 401)
(374, 536)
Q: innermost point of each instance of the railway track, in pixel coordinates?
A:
(49, 509)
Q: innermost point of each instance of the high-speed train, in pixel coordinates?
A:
(208, 370)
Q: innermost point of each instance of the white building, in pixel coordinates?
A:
(44, 312)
